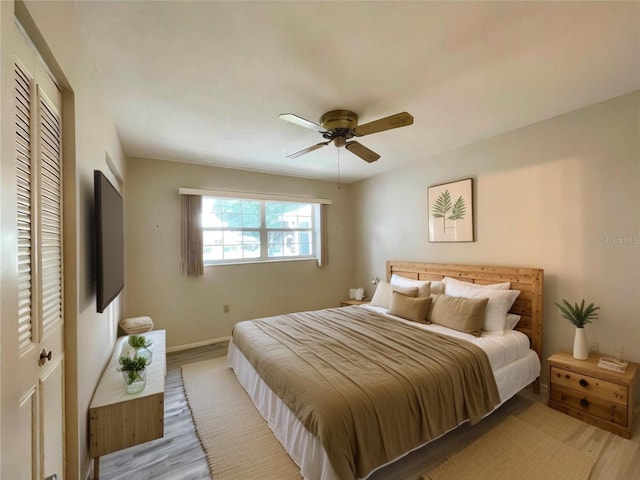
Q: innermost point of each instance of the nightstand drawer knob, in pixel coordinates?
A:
(583, 383)
(584, 402)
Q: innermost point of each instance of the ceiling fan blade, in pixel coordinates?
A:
(362, 151)
(290, 117)
(387, 123)
(308, 149)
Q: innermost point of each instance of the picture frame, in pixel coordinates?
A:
(450, 210)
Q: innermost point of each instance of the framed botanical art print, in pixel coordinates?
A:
(451, 211)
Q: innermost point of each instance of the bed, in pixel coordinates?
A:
(349, 390)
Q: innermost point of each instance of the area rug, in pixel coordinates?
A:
(236, 439)
(528, 446)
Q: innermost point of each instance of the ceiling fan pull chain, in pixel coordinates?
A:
(339, 179)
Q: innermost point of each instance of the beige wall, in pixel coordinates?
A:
(549, 195)
(562, 195)
(88, 136)
(189, 308)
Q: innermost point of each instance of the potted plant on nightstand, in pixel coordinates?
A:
(579, 315)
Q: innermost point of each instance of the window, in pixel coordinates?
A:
(237, 230)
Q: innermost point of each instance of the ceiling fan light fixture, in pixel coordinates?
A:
(338, 119)
(338, 126)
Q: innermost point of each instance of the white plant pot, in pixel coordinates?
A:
(580, 348)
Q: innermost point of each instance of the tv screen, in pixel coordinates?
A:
(109, 215)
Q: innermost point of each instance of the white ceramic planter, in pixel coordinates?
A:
(580, 348)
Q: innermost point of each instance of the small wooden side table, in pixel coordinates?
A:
(601, 397)
(118, 419)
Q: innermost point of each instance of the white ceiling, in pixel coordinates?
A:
(204, 82)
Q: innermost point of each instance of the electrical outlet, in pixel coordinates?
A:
(225, 309)
(594, 347)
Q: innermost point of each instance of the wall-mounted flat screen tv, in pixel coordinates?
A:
(109, 232)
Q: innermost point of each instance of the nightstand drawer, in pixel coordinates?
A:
(588, 385)
(590, 404)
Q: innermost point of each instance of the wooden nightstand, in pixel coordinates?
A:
(598, 396)
(346, 303)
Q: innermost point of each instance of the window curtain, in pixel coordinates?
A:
(323, 240)
(192, 263)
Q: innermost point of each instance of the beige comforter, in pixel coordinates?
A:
(368, 387)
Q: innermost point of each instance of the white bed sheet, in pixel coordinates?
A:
(307, 451)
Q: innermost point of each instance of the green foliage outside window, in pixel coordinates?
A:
(246, 229)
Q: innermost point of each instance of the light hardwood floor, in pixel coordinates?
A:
(179, 455)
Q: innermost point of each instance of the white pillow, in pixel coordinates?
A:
(500, 301)
(424, 287)
(383, 295)
(436, 287)
(511, 321)
(494, 286)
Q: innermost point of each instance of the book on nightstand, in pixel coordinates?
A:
(611, 363)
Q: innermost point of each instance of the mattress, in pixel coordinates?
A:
(513, 363)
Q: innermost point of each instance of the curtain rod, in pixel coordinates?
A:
(251, 195)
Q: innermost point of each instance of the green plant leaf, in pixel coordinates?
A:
(459, 209)
(442, 205)
(579, 315)
(128, 364)
(137, 341)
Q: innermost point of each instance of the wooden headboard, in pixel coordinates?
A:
(528, 280)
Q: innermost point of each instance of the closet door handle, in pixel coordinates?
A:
(44, 357)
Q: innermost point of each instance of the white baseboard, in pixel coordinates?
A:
(204, 343)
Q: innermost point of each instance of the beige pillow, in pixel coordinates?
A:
(434, 297)
(459, 313)
(384, 293)
(410, 308)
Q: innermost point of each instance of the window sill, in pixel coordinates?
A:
(253, 262)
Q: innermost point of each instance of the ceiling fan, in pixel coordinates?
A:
(339, 126)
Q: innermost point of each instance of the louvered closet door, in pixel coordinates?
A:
(32, 294)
